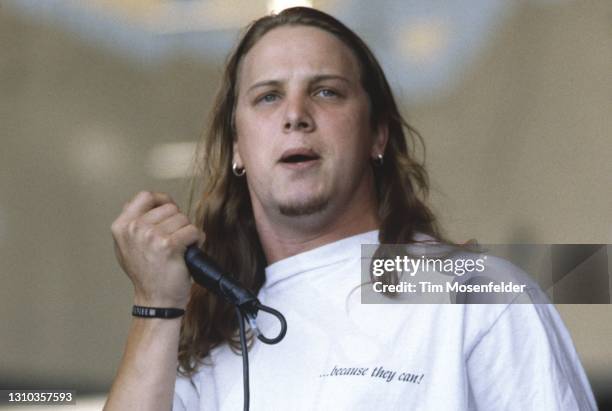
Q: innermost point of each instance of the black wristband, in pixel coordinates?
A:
(155, 312)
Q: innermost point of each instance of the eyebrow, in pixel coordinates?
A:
(315, 79)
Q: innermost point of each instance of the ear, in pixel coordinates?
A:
(381, 137)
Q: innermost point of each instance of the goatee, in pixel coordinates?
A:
(312, 206)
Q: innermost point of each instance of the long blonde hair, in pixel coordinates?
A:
(223, 208)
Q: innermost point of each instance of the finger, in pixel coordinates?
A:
(143, 202)
(187, 236)
(173, 223)
(159, 214)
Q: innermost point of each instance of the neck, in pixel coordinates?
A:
(278, 245)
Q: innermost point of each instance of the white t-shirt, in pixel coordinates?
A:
(339, 354)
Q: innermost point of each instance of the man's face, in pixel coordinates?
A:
(303, 130)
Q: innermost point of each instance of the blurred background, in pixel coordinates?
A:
(104, 98)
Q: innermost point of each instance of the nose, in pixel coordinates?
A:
(298, 116)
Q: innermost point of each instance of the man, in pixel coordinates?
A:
(307, 158)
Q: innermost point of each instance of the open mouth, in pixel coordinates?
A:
(297, 157)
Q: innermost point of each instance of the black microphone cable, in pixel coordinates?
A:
(208, 274)
(245, 360)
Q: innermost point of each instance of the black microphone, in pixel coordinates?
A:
(209, 275)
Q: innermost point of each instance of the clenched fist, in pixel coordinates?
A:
(151, 236)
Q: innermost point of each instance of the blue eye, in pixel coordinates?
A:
(325, 92)
(268, 98)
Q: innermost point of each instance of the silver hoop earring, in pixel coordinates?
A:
(238, 171)
(378, 161)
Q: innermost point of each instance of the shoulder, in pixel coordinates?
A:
(478, 276)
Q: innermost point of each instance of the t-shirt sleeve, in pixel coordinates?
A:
(186, 396)
(527, 361)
